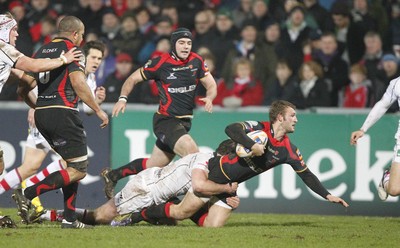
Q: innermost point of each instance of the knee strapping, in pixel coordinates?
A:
(79, 166)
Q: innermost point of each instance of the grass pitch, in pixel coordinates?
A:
(242, 230)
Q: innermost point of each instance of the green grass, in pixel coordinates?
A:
(242, 230)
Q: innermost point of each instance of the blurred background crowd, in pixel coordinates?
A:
(327, 53)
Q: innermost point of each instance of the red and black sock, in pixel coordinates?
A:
(132, 168)
(70, 191)
(55, 180)
(199, 217)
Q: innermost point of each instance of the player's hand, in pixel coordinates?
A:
(31, 117)
(355, 136)
(103, 117)
(233, 201)
(100, 94)
(118, 107)
(208, 105)
(73, 55)
(336, 199)
(232, 188)
(257, 149)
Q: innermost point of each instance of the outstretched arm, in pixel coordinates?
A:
(315, 185)
(28, 64)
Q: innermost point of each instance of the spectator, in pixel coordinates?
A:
(224, 35)
(313, 90)
(242, 12)
(284, 86)
(334, 67)
(92, 15)
(320, 15)
(249, 48)
(163, 27)
(202, 32)
(294, 33)
(271, 37)
(143, 18)
(134, 5)
(119, 7)
(110, 24)
(259, 14)
(209, 60)
(171, 11)
(356, 94)
(348, 33)
(245, 90)
(128, 39)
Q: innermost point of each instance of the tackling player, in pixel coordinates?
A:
(231, 168)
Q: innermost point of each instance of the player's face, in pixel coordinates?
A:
(93, 60)
(13, 35)
(79, 36)
(183, 48)
(289, 120)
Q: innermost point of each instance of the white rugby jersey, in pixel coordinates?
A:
(91, 81)
(391, 95)
(176, 179)
(8, 56)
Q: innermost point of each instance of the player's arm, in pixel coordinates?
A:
(78, 82)
(315, 185)
(211, 86)
(238, 133)
(26, 63)
(25, 86)
(127, 88)
(204, 187)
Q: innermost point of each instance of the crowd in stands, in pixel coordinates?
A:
(337, 53)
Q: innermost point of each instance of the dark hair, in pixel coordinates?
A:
(279, 107)
(94, 44)
(226, 147)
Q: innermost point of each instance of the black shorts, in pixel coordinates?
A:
(168, 130)
(64, 131)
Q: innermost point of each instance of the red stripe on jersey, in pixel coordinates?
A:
(163, 109)
(61, 90)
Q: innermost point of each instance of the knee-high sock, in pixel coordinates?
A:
(56, 180)
(200, 215)
(131, 168)
(52, 167)
(156, 212)
(70, 192)
(10, 181)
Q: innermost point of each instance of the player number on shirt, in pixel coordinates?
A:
(44, 77)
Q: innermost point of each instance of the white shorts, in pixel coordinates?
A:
(136, 194)
(37, 141)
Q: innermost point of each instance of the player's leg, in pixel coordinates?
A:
(1, 161)
(185, 209)
(218, 213)
(158, 158)
(185, 145)
(33, 158)
(393, 187)
(52, 167)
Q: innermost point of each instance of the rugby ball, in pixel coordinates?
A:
(258, 136)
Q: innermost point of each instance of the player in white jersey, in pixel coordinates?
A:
(158, 185)
(390, 182)
(37, 147)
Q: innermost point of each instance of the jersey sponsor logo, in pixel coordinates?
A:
(252, 165)
(49, 50)
(182, 89)
(172, 76)
(183, 68)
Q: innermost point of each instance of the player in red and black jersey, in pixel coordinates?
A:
(177, 75)
(58, 120)
(230, 168)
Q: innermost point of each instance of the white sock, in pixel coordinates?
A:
(52, 167)
(10, 181)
